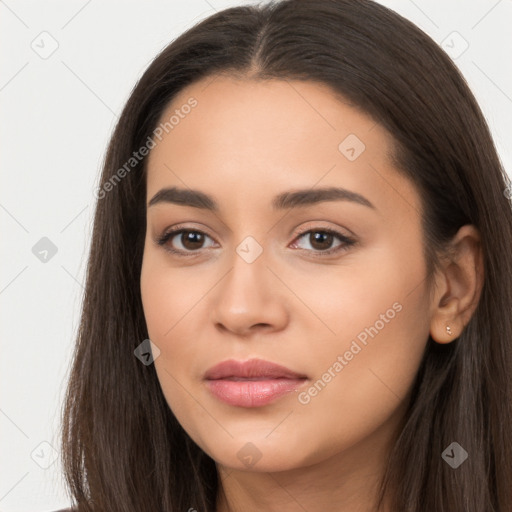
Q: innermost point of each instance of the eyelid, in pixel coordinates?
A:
(317, 226)
(169, 233)
(346, 240)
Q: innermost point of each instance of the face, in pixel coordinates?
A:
(274, 267)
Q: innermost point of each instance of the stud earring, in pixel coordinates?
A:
(449, 331)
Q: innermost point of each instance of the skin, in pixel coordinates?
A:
(245, 142)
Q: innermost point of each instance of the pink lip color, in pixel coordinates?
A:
(252, 383)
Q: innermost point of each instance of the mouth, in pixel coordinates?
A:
(251, 383)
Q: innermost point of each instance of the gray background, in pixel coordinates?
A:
(58, 111)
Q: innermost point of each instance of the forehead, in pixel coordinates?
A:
(253, 136)
(278, 114)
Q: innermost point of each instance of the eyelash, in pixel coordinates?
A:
(168, 235)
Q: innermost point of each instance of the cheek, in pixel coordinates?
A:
(165, 312)
(363, 370)
(372, 295)
(168, 296)
(157, 300)
(361, 386)
(174, 308)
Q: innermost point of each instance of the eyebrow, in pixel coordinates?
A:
(295, 198)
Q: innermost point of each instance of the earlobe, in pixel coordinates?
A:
(443, 332)
(462, 280)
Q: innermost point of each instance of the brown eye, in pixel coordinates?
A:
(191, 239)
(321, 241)
(183, 240)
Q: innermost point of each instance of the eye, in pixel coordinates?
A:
(321, 240)
(189, 241)
(186, 241)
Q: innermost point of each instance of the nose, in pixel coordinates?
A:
(250, 299)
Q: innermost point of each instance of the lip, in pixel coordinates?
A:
(251, 383)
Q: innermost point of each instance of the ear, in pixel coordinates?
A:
(458, 286)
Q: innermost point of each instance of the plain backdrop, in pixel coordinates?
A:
(67, 70)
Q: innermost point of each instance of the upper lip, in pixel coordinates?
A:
(253, 368)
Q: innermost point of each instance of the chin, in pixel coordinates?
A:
(262, 456)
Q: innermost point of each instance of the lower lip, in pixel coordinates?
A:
(252, 393)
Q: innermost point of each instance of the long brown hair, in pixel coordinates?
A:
(123, 449)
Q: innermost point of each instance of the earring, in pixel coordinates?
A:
(449, 331)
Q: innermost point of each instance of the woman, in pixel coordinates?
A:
(299, 287)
